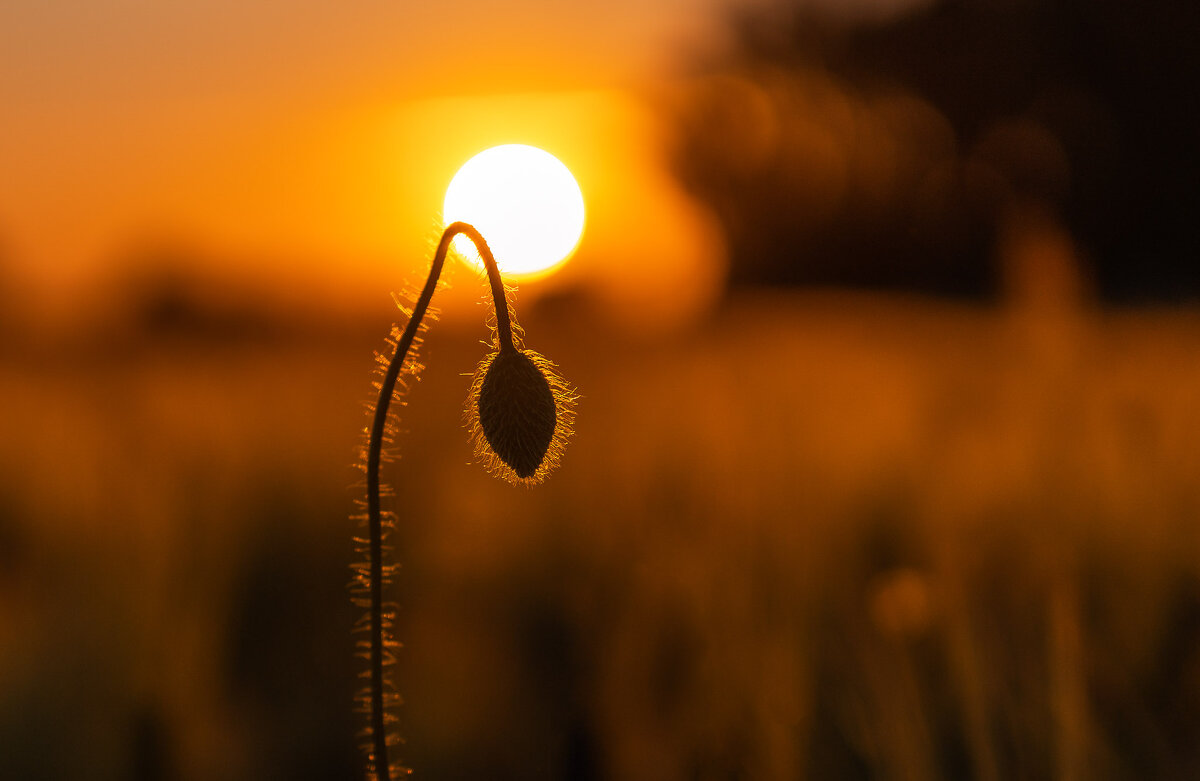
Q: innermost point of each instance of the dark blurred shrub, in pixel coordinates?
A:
(888, 149)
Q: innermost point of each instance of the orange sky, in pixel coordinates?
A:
(325, 134)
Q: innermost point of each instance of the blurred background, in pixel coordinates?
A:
(885, 325)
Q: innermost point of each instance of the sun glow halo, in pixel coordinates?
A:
(526, 204)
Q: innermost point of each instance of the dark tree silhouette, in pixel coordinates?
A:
(889, 153)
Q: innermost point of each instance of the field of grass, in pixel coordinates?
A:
(823, 536)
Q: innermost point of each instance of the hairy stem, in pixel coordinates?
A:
(374, 456)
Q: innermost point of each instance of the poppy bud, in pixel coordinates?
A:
(519, 413)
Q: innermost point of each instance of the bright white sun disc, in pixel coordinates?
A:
(524, 201)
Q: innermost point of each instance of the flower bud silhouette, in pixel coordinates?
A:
(519, 414)
(516, 412)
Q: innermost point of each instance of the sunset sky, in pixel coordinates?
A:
(321, 138)
(306, 148)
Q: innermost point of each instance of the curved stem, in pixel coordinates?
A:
(499, 300)
(375, 451)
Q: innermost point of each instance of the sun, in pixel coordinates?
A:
(526, 204)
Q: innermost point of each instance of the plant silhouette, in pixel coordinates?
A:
(519, 413)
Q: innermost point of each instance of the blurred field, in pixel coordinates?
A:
(822, 536)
